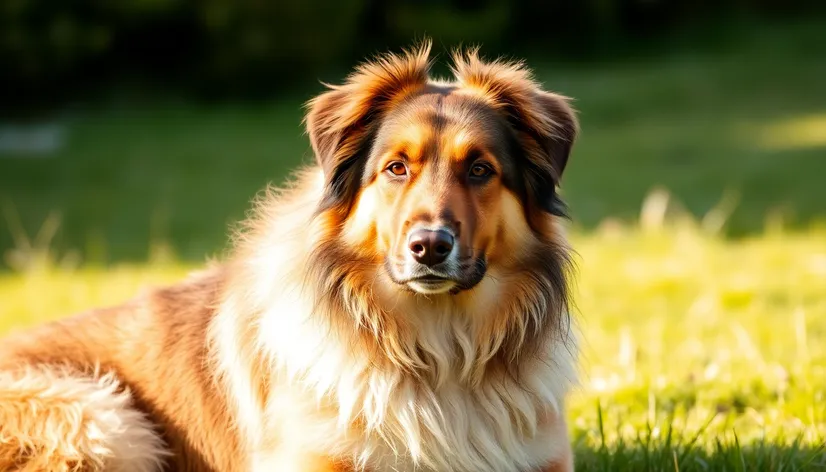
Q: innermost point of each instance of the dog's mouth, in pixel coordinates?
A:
(431, 282)
(426, 284)
(430, 279)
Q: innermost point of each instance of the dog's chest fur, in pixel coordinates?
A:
(385, 419)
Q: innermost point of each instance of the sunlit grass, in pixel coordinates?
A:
(699, 353)
(799, 132)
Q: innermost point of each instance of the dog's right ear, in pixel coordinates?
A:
(341, 121)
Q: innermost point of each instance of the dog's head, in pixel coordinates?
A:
(439, 181)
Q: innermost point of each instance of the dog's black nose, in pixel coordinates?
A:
(430, 247)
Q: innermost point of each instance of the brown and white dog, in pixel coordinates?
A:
(403, 306)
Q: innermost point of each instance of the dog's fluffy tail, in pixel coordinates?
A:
(57, 421)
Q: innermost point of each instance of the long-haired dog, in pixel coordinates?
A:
(402, 306)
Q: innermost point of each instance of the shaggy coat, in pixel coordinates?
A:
(401, 306)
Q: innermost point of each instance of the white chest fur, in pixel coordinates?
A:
(466, 431)
(387, 420)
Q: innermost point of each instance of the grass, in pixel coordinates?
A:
(701, 351)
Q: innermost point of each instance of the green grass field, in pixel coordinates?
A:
(698, 353)
(703, 337)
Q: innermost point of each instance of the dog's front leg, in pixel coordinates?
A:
(563, 464)
(561, 454)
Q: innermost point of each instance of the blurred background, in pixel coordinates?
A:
(138, 122)
(134, 133)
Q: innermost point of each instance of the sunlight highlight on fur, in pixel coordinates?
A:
(58, 421)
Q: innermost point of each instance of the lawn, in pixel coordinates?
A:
(703, 335)
(699, 353)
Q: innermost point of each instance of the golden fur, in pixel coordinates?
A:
(311, 348)
(57, 421)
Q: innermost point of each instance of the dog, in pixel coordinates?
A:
(401, 305)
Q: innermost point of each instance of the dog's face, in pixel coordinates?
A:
(440, 169)
(437, 182)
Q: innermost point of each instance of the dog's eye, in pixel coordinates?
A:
(397, 168)
(480, 171)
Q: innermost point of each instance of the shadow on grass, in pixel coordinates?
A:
(722, 457)
(705, 449)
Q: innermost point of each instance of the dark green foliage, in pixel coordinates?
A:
(54, 50)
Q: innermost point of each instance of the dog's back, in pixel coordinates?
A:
(122, 388)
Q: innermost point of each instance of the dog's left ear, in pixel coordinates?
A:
(544, 123)
(342, 120)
